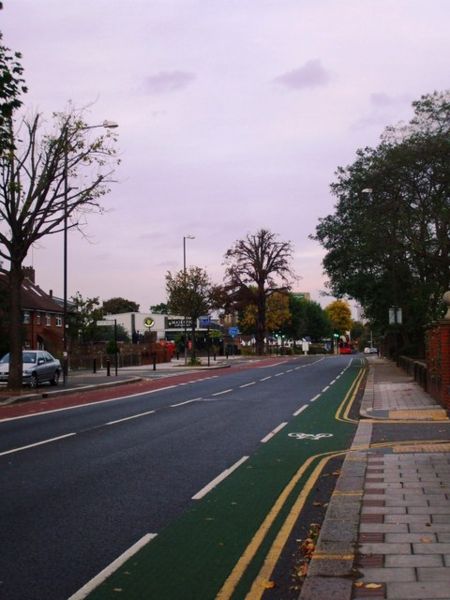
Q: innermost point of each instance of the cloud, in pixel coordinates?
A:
(166, 82)
(311, 74)
(380, 99)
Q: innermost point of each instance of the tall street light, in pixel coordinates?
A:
(187, 237)
(105, 125)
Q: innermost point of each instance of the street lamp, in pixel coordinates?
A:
(105, 125)
(187, 237)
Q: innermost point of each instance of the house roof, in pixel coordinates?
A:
(32, 297)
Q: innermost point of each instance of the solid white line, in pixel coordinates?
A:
(315, 398)
(273, 432)
(247, 384)
(110, 569)
(148, 412)
(185, 402)
(326, 388)
(270, 366)
(86, 404)
(266, 378)
(223, 392)
(55, 439)
(300, 410)
(212, 484)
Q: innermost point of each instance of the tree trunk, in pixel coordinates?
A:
(260, 323)
(15, 327)
(193, 349)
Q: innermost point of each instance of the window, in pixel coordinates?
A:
(48, 320)
(38, 318)
(58, 321)
(26, 317)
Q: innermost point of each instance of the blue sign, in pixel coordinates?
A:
(204, 321)
(234, 331)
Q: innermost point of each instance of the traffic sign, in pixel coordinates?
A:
(234, 331)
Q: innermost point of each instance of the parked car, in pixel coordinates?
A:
(37, 366)
(370, 350)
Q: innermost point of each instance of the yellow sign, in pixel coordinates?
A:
(149, 322)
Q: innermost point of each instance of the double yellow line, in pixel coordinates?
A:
(263, 577)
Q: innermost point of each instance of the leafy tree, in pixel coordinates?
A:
(277, 313)
(340, 316)
(12, 86)
(189, 294)
(262, 262)
(308, 319)
(83, 317)
(160, 309)
(35, 201)
(119, 305)
(388, 242)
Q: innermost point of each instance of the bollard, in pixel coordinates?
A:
(94, 365)
(214, 356)
(108, 367)
(154, 362)
(178, 356)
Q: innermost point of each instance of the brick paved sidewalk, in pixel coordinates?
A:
(386, 534)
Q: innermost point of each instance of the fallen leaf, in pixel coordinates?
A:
(426, 540)
(269, 585)
(317, 503)
(373, 586)
(358, 584)
(303, 570)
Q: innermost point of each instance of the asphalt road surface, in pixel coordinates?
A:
(80, 486)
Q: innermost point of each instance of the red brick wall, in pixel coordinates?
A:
(438, 362)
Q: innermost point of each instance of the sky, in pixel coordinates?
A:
(233, 116)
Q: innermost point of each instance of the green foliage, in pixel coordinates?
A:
(160, 309)
(388, 242)
(12, 86)
(119, 305)
(308, 319)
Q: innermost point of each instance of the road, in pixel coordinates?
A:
(81, 486)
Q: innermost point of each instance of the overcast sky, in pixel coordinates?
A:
(233, 115)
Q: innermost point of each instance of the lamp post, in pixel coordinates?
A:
(105, 125)
(187, 237)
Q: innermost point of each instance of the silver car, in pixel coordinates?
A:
(37, 366)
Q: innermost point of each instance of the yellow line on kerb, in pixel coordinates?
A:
(239, 569)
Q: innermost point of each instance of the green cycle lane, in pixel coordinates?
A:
(218, 547)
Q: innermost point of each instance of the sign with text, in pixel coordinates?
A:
(178, 323)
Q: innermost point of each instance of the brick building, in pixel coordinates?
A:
(42, 315)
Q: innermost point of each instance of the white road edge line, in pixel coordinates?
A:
(266, 378)
(300, 410)
(278, 374)
(244, 385)
(49, 441)
(212, 484)
(315, 398)
(273, 432)
(185, 402)
(110, 569)
(148, 412)
(222, 392)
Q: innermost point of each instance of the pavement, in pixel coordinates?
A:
(386, 533)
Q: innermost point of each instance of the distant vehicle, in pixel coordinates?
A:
(37, 366)
(370, 351)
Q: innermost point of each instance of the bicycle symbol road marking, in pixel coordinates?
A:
(310, 436)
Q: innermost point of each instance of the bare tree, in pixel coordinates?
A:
(37, 197)
(259, 261)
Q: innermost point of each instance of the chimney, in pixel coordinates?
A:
(50, 293)
(28, 272)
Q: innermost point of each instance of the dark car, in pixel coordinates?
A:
(37, 366)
